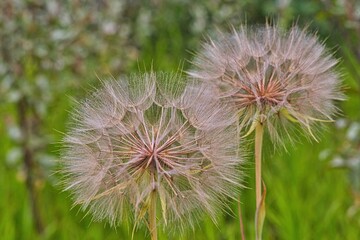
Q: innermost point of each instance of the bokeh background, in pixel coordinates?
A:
(53, 51)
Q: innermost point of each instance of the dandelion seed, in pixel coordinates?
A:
(148, 142)
(273, 77)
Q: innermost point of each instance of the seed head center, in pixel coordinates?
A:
(270, 93)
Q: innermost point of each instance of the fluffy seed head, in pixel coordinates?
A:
(272, 76)
(145, 134)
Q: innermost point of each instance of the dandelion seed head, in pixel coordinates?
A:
(149, 133)
(273, 76)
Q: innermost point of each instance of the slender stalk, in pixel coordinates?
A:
(152, 216)
(242, 232)
(259, 132)
(260, 196)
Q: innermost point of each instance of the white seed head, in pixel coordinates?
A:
(273, 76)
(151, 133)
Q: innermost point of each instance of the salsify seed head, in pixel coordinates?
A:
(148, 134)
(272, 76)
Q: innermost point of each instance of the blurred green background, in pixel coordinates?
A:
(52, 51)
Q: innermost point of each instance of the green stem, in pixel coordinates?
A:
(242, 232)
(260, 196)
(152, 216)
(259, 132)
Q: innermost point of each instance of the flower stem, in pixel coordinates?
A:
(242, 232)
(152, 216)
(260, 196)
(259, 132)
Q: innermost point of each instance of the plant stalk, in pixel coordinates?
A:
(259, 132)
(242, 231)
(260, 196)
(152, 216)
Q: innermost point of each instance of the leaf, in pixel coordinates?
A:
(162, 197)
(253, 125)
(287, 115)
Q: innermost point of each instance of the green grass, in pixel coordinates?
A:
(306, 198)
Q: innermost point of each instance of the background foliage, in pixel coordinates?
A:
(52, 51)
